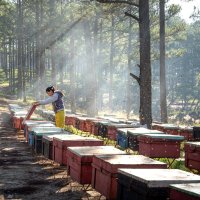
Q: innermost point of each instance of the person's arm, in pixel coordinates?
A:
(51, 99)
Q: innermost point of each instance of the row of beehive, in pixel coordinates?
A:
(101, 169)
(153, 144)
(107, 128)
(86, 168)
(190, 133)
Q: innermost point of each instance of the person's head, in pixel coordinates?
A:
(50, 90)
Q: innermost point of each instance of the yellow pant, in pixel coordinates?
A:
(60, 119)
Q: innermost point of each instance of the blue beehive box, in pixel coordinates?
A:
(31, 127)
(37, 122)
(38, 133)
(122, 139)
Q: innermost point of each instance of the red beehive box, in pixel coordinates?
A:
(112, 130)
(80, 160)
(89, 123)
(60, 145)
(95, 127)
(17, 122)
(192, 155)
(190, 191)
(156, 126)
(104, 174)
(21, 123)
(71, 120)
(187, 132)
(133, 134)
(16, 119)
(47, 145)
(168, 128)
(81, 123)
(160, 145)
(171, 129)
(150, 184)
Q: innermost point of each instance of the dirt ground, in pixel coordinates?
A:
(24, 175)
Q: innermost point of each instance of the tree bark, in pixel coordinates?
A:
(128, 98)
(111, 64)
(163, 102)
(72, 73)
(19, 50)
(145, 64)
(53, 62)
(90, 79)
(37, 50)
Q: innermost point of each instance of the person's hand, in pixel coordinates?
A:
(36, 103)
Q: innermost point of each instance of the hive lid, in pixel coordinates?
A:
(67, 137)
(169, 126)
(193, 143)
(122, 125)
(95, 150)
(124, 130)
(155, 178)
(142, 131)
(32, 122)
(75, 138)
(51, 136)
(32, 126)
(189, 188)
(165, 136)
(128, 159)
(46, 129)
(45, 133)
(186, 128)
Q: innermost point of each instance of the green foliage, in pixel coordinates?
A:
(61, 25)
(173, 10)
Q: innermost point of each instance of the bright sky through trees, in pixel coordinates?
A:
(187, 8)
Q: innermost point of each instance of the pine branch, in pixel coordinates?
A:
(135, 77)
(133, 16)
(120, 1)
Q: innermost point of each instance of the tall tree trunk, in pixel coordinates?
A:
(111, 64)
(62, 52)
(14, 64)
(10, 63)
(72, 73)
(100, 67)
(145, 64)
(23, 72)
(128, 91)
(53, 66)
(95, 57)
(19, 38)
(90, 79)
(32, 64)
(163, 102)
(53, 51)
(37, 51)
(5, 57)
(42, 77)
